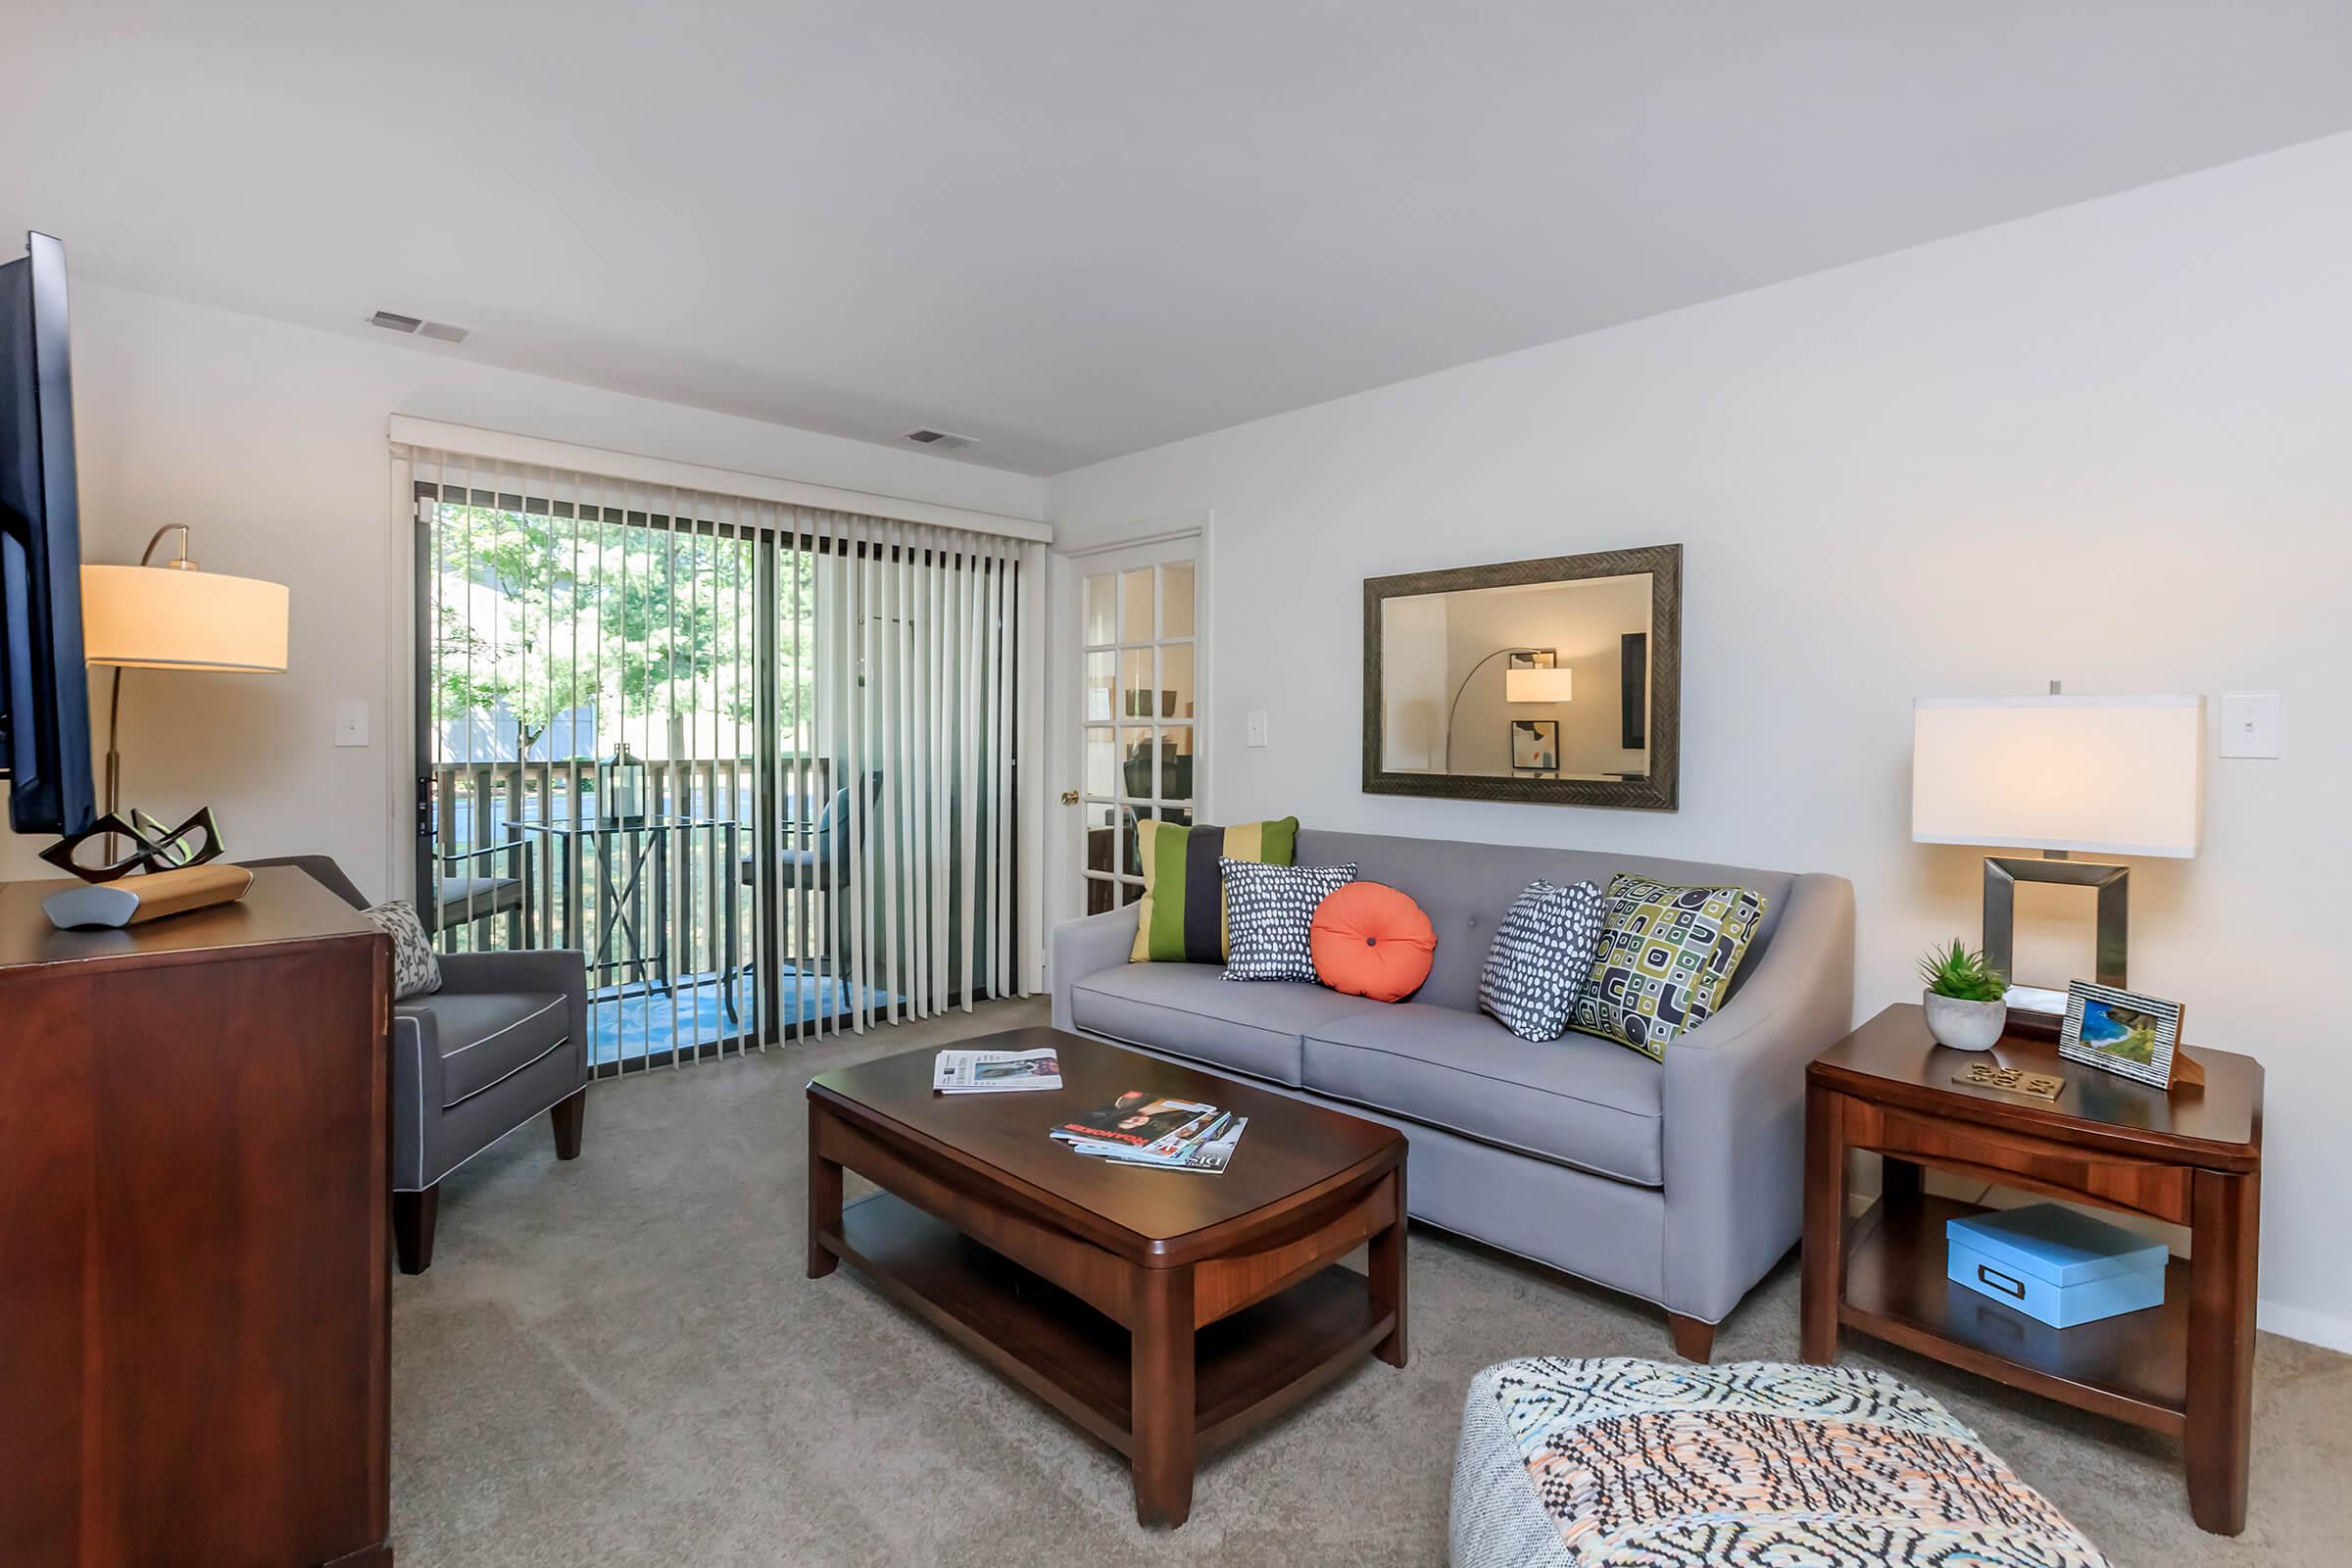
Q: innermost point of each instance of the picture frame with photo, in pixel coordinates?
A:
(1536, 745)
(2123, 1032)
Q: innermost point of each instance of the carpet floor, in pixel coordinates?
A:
(618, 1360)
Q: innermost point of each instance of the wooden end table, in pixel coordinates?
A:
(2190, 1156)
(1164, 1312)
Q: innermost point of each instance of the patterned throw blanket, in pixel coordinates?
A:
(1622, 1463)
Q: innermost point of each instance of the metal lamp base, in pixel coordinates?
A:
(2031, 1008)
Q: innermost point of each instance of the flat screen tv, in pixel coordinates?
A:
(44, 686)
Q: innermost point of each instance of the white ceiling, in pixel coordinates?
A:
(1075, 229)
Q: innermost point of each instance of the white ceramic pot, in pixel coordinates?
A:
(1964, 1025)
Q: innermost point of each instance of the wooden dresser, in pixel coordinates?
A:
(194, 1287)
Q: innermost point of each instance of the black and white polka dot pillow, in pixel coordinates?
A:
(1270, 914)
(1542, 954)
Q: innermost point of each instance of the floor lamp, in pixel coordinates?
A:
(1547, 685)
(175, 617)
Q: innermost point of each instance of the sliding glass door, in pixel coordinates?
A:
(754, 761)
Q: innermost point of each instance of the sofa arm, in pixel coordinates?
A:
(1735, 1105)
(1083, 946)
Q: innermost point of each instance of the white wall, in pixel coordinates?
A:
(2110, 444)
(269, 441)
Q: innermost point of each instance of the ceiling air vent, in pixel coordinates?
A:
(418, 326)
(939, 440)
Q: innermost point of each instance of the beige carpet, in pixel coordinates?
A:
(619, 1362)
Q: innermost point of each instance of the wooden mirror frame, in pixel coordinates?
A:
(1656, 793)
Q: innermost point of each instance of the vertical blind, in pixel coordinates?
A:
(755, 760)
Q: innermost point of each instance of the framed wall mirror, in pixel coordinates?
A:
(1557, 681)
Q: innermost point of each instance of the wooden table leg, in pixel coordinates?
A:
(1386, 1262)
(824, 1198)
(1161, 1445)
(1824, 1224)
(2224, 1212)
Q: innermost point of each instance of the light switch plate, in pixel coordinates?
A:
(1257, 726)
(2250, 724)
(351, 721)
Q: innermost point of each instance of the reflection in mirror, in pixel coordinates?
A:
(1546, 680)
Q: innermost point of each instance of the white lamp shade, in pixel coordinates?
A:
(2110, 775)
(1538, 685)
(159, 617)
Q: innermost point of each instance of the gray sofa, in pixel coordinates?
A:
(1678, 1182)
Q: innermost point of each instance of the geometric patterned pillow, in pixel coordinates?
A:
(1612, 1462)
(414, 970)
(1271, 912)
(1666, 955)
(1541, 958)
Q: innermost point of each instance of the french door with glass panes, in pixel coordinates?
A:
(1140, 709)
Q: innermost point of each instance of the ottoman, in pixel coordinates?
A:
(1622, 1462)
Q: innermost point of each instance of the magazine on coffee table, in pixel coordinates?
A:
(1207, 1155)
(1133, 1123)
(1137, 1129)
(996, 1072)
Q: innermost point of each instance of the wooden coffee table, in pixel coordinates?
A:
(1164, 1312)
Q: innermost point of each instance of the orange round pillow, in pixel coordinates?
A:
(1369, 940)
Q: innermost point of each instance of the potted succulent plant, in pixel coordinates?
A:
(1963, 999)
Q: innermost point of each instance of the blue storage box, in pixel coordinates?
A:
(2055, 1263)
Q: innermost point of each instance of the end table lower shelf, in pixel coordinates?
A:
(2134, 1367)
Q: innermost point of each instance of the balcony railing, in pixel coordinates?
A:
(674, 911)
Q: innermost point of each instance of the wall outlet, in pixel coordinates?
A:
(2250, 724)
(1257, 726)
(351, 721)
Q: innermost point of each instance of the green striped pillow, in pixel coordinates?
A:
(1182, 917)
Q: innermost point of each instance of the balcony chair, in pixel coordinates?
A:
(819, 856)
(485, 894)
(504, 1039)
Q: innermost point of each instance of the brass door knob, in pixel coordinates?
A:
(1069, 796)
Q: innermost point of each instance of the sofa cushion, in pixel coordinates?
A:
(1190, 1010)
(1370, 940)
(1540, 955)
(1665, 962)
(1270, 914)
(488, 1037)
(1182, 917)
(1574, 1100)
(414, 970)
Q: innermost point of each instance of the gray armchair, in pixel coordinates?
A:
(504, 1039)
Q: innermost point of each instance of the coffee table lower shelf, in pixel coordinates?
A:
(1248, 1368)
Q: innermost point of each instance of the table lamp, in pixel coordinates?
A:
(2111, 775)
